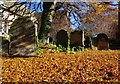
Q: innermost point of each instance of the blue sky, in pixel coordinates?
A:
(72, 19)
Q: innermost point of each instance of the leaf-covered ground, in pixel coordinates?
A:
(83, 66)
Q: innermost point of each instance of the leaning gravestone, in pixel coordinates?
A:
(76, 39)
(62, 38)
(102, 42)
(22, 37)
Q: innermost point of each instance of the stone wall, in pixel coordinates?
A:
(108, 27)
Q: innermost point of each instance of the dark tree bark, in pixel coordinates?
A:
(118, 35)
(119, 15)
(46, 19)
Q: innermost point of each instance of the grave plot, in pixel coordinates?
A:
(22, 37)
(102, 43)
(76, 39)
(62, 38)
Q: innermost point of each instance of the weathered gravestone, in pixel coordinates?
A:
(22, 37)
(5, 46)
(76, 39)
(102, 42)
(62, 38)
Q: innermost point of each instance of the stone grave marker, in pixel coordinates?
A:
(22, 37)
(5, 46)
(76, 39)
(62, 38)
(102, 42)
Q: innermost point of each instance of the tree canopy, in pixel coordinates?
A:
(79, 13)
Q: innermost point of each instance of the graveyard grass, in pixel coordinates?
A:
(83, 66)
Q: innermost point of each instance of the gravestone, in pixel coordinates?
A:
(22, 37)
(76, 39)
(62, 38)
(102, 42)
(5, 46)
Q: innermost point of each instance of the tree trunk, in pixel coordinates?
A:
(119, 16)
(118, 33)
(83, 39)
(0, 32)
(46, 19)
